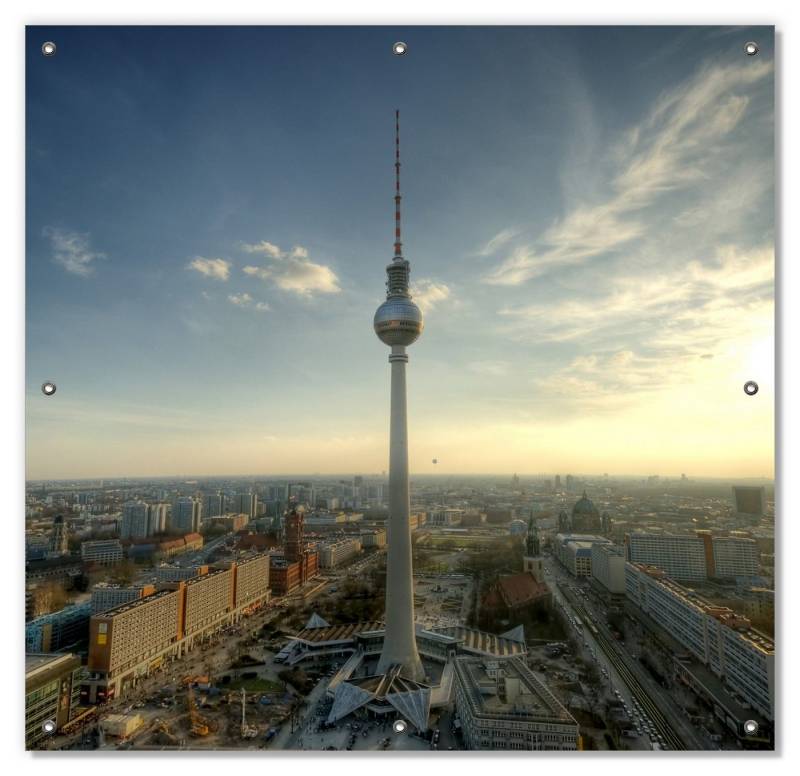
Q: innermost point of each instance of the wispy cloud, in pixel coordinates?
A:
(675, 147)
(219, 269)
(240, 300)
(291, 270)
(500, 240)
(244, 300)
(72, 250)
(266, 248)
(695, 304)
(650, 332)
(428, 293)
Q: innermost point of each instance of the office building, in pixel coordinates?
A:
(135, 520)
(214, 505)
(373, 538)
(444, 517)
(329, 519)
(246, 504)
(185, 517)
(227, 523)
(416, 520)
(332, 554)
(608, 567)
(36, 546)
(749, 502)
(722, 640)
(102, 552)
(156, 519)
(503, 706)
(52, 692)
(59, 630)
(574, 552)
(299, 493)
(106, 596)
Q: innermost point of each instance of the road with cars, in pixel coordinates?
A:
(652, 711)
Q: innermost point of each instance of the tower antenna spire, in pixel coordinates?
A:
(398, 245)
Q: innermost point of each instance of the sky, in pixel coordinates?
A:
(588, 214)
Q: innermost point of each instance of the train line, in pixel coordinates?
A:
(673, 740)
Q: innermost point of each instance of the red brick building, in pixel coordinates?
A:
(298, 563)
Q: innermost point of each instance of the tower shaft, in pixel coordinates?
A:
(398, 244)
(399, 644)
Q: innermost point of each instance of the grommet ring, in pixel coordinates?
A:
(751, 48)
(48, 388)
(399, 726)
(49, 48)
(48, 726)
(750, 727)
(751, 387)
(399, 48)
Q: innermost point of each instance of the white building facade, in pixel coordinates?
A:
(608, 567)
(724, 641)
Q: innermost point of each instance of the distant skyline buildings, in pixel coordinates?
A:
(140, 519)
(607, 326)
(186, 515)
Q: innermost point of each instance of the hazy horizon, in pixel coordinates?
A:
(590, 238)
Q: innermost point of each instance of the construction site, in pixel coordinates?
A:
(203, 715)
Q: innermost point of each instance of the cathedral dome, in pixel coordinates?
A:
(585, 515)
(584, 506)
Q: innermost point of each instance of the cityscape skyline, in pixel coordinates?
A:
(610, 326)
(592, 250)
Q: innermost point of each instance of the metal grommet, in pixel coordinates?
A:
(48, 388)
(48, 726)
(750, 727)
(399, 726)
(49, 48)
(751, 387)
(399, 48)
(751, 48)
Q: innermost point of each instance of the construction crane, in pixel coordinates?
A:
(248, 731)
(198, 724)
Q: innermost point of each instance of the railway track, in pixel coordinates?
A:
(673, 740)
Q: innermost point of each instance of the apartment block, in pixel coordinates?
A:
(724, 641)
(133, 639)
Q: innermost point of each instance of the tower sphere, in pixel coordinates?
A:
(398, 321)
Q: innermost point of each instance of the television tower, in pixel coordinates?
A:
(398, 323)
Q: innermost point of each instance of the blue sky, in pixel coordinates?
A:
(587, 212)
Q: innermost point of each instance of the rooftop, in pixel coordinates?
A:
(508, 689)
(723, 614)
(344, 632)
